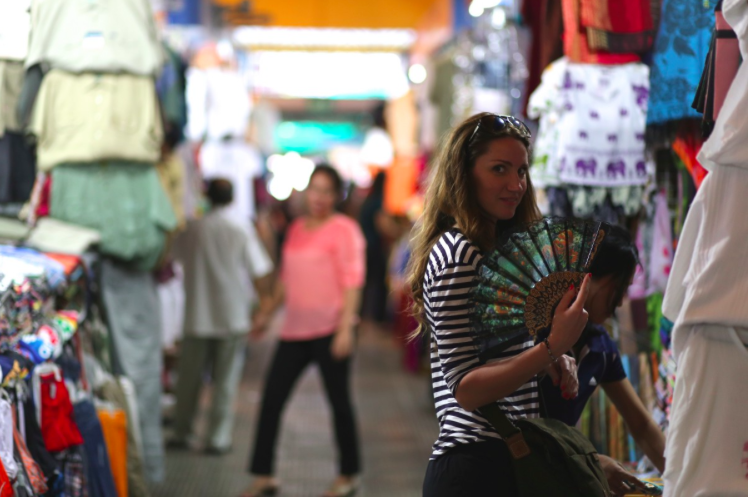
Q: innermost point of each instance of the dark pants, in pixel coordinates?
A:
(98, 469)
(291, 359)
(481, 469)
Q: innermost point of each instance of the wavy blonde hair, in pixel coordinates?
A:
(451, 201)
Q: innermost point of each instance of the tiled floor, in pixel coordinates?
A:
(396, 424)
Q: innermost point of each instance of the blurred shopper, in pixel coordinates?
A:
(404, 323)
(322, 272)
(220, 258)
(599, 362)
(374, 303)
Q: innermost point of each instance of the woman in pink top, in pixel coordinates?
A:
(322, 272)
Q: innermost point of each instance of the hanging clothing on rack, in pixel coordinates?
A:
(687, 146)
(17, 157)
(11, 83)
(93, 117)
(54, 410)
(706, 298)
(711, 251)
(171, 172)
(99, 471)
(218, 105)
(680, 50)
(112, 391)
(15, 25)
(620, 27)
(17, 168)
(124, 201)
(6, 439)
(442, 93)
(105, 36)
(171, 87)
(134, 319)
(545, 19)
(193, 187)
(19, 263)
(114, 428)
(542, 105)
(576, 45)
(601, 126)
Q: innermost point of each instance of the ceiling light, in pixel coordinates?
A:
(476, 8)
(417, 74)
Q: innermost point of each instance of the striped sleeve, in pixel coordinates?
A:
(450, 275)
(453, 260)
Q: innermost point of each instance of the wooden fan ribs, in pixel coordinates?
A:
(543, 299)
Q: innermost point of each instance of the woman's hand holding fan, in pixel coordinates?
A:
(568, 323)
(526, 286)
(569, 320)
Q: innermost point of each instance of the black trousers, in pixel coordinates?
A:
(291, 359)
(481, 469)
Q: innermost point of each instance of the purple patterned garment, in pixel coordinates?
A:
(616, 168)
(585, 167)
(642, 95)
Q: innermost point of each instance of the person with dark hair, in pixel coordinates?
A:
(378, 115)
(377, 150)
(374, 302)
(220, 260)
(220, 192)
(599, 361)
(322, 272)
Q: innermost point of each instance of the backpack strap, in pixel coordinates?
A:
(509, 432)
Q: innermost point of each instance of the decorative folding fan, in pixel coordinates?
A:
(521, 282)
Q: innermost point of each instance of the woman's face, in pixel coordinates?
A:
(604, 298)
(321, 196)
(500, 178)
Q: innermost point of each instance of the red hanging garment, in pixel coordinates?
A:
(6, 487)
(620, 27)
(54, 409)
(33, 471)
(576, 45)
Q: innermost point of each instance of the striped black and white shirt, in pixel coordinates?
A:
(450, 275)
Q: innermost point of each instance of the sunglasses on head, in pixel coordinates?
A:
(501, 123)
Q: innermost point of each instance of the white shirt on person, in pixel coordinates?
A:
(220, 259)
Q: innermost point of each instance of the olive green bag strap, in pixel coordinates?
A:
(509, 432)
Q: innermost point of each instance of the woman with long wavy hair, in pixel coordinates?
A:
(480, 186)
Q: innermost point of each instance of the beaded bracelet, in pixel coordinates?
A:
(548, 346)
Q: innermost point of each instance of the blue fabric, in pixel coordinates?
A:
(680, 51)
(8, 358)
(602, 364)
(35, 349)
(99, 472)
